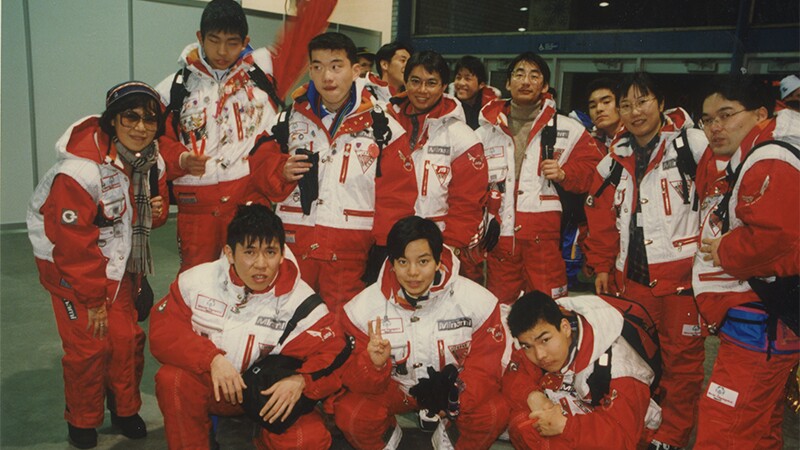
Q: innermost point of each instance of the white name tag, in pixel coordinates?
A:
(691, 330)
(722, 394)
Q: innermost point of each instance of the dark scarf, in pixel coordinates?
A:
(140, 259)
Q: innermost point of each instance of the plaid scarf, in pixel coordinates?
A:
(140, 259)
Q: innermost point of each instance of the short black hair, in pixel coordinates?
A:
(387, 51)
(745, 89)
(531, 58)
(255, 223)
(474, 66)
(600, 83)
(431, 61)
(530, 309)
(410, 229)
(223, 15)
(644, 83)
(334, 41)
(133, 101)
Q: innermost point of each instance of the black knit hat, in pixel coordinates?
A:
(127, 88)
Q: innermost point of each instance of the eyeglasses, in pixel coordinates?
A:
(130, 119)
(639, 103)
(723, 117)
(520, 75)
(416, 83)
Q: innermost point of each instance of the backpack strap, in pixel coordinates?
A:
(177, 94)
(280, 132)
(266, 83)
(687, 167)
(302, 311)
(600, 380)
(613, 177)
(381, 132)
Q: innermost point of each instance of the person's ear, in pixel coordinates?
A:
(199, 37)
(566, 328)
(246, 41)
(228, 253)
(762, 113)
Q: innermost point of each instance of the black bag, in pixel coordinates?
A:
(273, 368)
(144, 300)
(268, 371)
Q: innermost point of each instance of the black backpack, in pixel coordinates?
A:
(640, 332)
(781, 297)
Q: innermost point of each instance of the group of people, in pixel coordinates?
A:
(382, 246)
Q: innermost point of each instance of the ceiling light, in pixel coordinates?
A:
(524, 8)
(603, 4)
(520, 29)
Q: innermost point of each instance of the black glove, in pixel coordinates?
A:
(439, 392)
(309, 184)
(375, 258)
(144, 300)
(492, 236)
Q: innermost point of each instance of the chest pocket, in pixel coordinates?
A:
(496, 161)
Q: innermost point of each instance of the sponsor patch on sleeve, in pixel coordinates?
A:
(69, 216)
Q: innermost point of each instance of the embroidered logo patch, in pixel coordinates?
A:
(210, 305)
(439, 149)
(477, 161)
(496, 332)
(691, 330)
(441, 173)
(669, 164)
(678, 186)
(71, 313)
(365, 155)
(270, 322)
(722, 394)
(452, 324)
(323, 334)
(69, 216)
(460, 352)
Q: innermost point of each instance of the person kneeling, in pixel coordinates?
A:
(220, 318)
(550, 379)
(427, 340)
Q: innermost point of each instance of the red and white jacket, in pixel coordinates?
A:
(451, 171)
(78, 259)
(209, 312)
(459, 324)
(764, 237)
(670, 226)
(531, 207)
(622, 416)
(355, 208)
(223, 117)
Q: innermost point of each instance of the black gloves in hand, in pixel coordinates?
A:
(309, 184)
(439, 392)
(375, 258)
(144, 300)
(492, 236)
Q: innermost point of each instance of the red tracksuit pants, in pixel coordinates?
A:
(743, 405)
(186, 400)
(201, 235)
(365, 419)
(336, 281)
(93, 365)
(526, 265)
(683, 353)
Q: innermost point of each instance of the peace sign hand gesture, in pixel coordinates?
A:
(378, 349)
